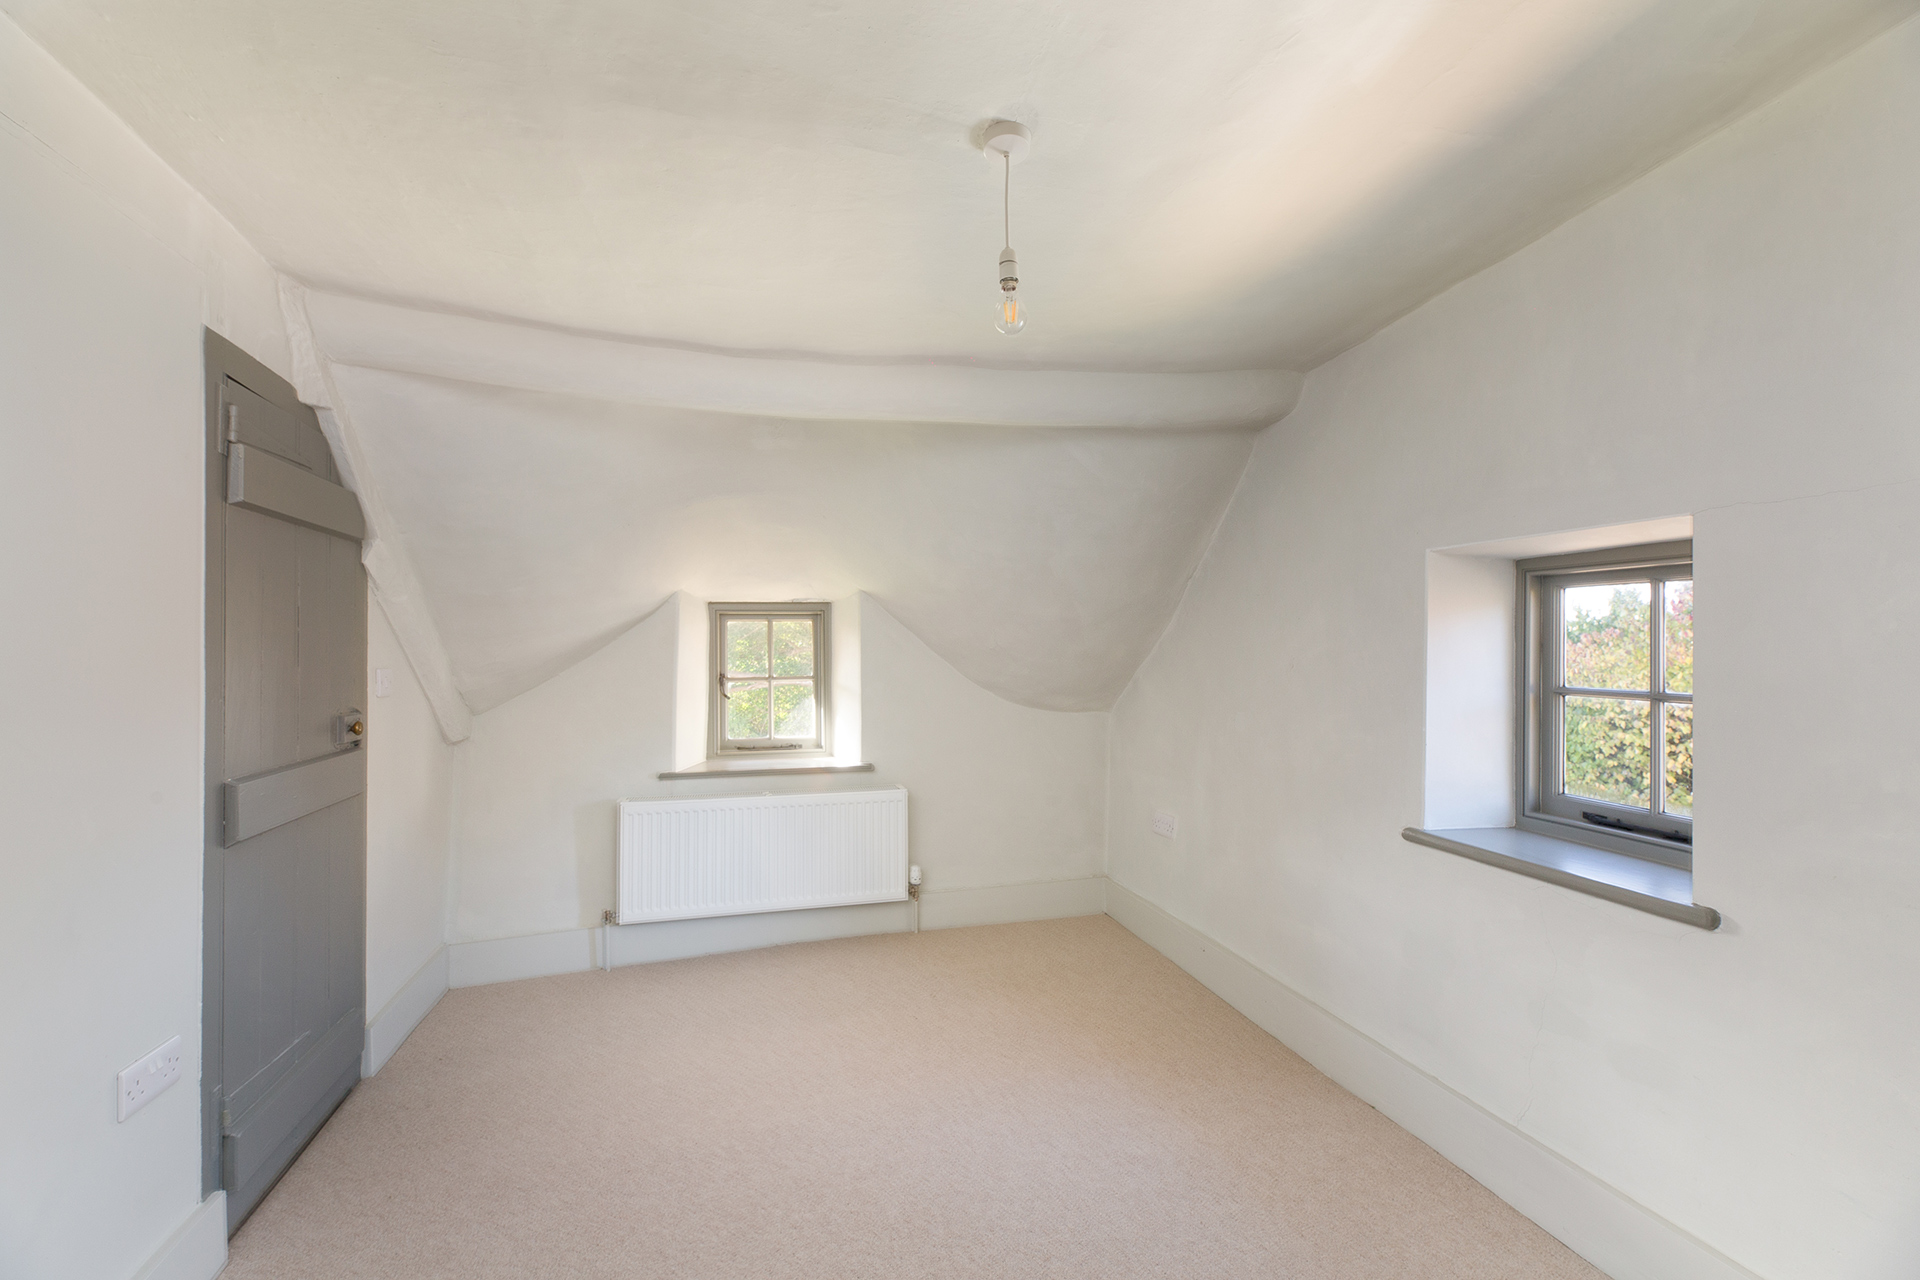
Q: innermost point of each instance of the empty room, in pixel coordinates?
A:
(1012, 641)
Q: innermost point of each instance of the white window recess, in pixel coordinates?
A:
(693, 698)
(1473, 798)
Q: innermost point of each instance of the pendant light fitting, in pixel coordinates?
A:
(1010, 140)
(1007, 138)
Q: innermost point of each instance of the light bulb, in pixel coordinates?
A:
(1011, 315)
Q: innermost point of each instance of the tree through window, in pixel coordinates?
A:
(769, 678)
(1608, 716)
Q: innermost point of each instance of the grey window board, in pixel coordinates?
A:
(1621, 878)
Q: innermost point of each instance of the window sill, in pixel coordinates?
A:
(1629, 881)
(750, 768)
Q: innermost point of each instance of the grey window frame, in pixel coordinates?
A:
(719, 746)
(1543, 809)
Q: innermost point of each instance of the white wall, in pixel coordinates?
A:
(409, 820)
(538, 781)
(111, 266)
(1001, 794)
(1733, 337)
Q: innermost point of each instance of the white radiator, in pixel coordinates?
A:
(686, 858)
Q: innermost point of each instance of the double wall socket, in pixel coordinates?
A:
(148, 1078)
(1165, 824)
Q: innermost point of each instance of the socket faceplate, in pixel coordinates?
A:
(146, 1079)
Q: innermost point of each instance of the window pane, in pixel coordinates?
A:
(746, 646)
(746, 709)
(793, 709)
(793, 646)
(1680, 759)
(1680, 637)
(1608, 744)
(1607, 635)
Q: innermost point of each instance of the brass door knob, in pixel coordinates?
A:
(357, 727)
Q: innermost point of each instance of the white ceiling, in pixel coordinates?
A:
(697, 292)
(1216, 184)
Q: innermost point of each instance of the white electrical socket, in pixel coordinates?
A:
(148, 1078)
(1165, 823)
(382, 681)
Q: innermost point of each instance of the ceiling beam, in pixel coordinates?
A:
(383, 335)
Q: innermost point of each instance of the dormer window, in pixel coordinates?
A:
(769, 679)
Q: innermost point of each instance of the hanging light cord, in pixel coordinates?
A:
(1006, 199)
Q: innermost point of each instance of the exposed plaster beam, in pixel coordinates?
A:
(382, 335)
(386, 560)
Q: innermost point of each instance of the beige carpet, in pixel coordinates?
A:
(1051, 1099)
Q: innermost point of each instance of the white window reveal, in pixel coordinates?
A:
(770, 679)
(1604, 762)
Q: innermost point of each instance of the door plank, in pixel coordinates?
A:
(258, 965)
(262, 482)
(253, 1136)
(263, 644)
(258, 423)
(267, 800)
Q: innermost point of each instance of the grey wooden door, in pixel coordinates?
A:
(285, 915)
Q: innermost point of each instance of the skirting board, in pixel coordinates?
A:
(197, 1250)
(473, 964)
(1620, 1236)
(393, 1024)
(1012, 903)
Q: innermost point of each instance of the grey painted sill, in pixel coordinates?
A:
(751, 768)
(1617, 877)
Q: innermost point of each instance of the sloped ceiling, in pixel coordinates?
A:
(696, 293)
(548, 489)
(1040, 561)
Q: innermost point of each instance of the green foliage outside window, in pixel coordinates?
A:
(1608, 750)
(747, 646)
(1680, 759)
(1609, 742)
(767, 706)
(1680, 637)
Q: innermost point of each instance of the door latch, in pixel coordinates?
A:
(349, 728)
